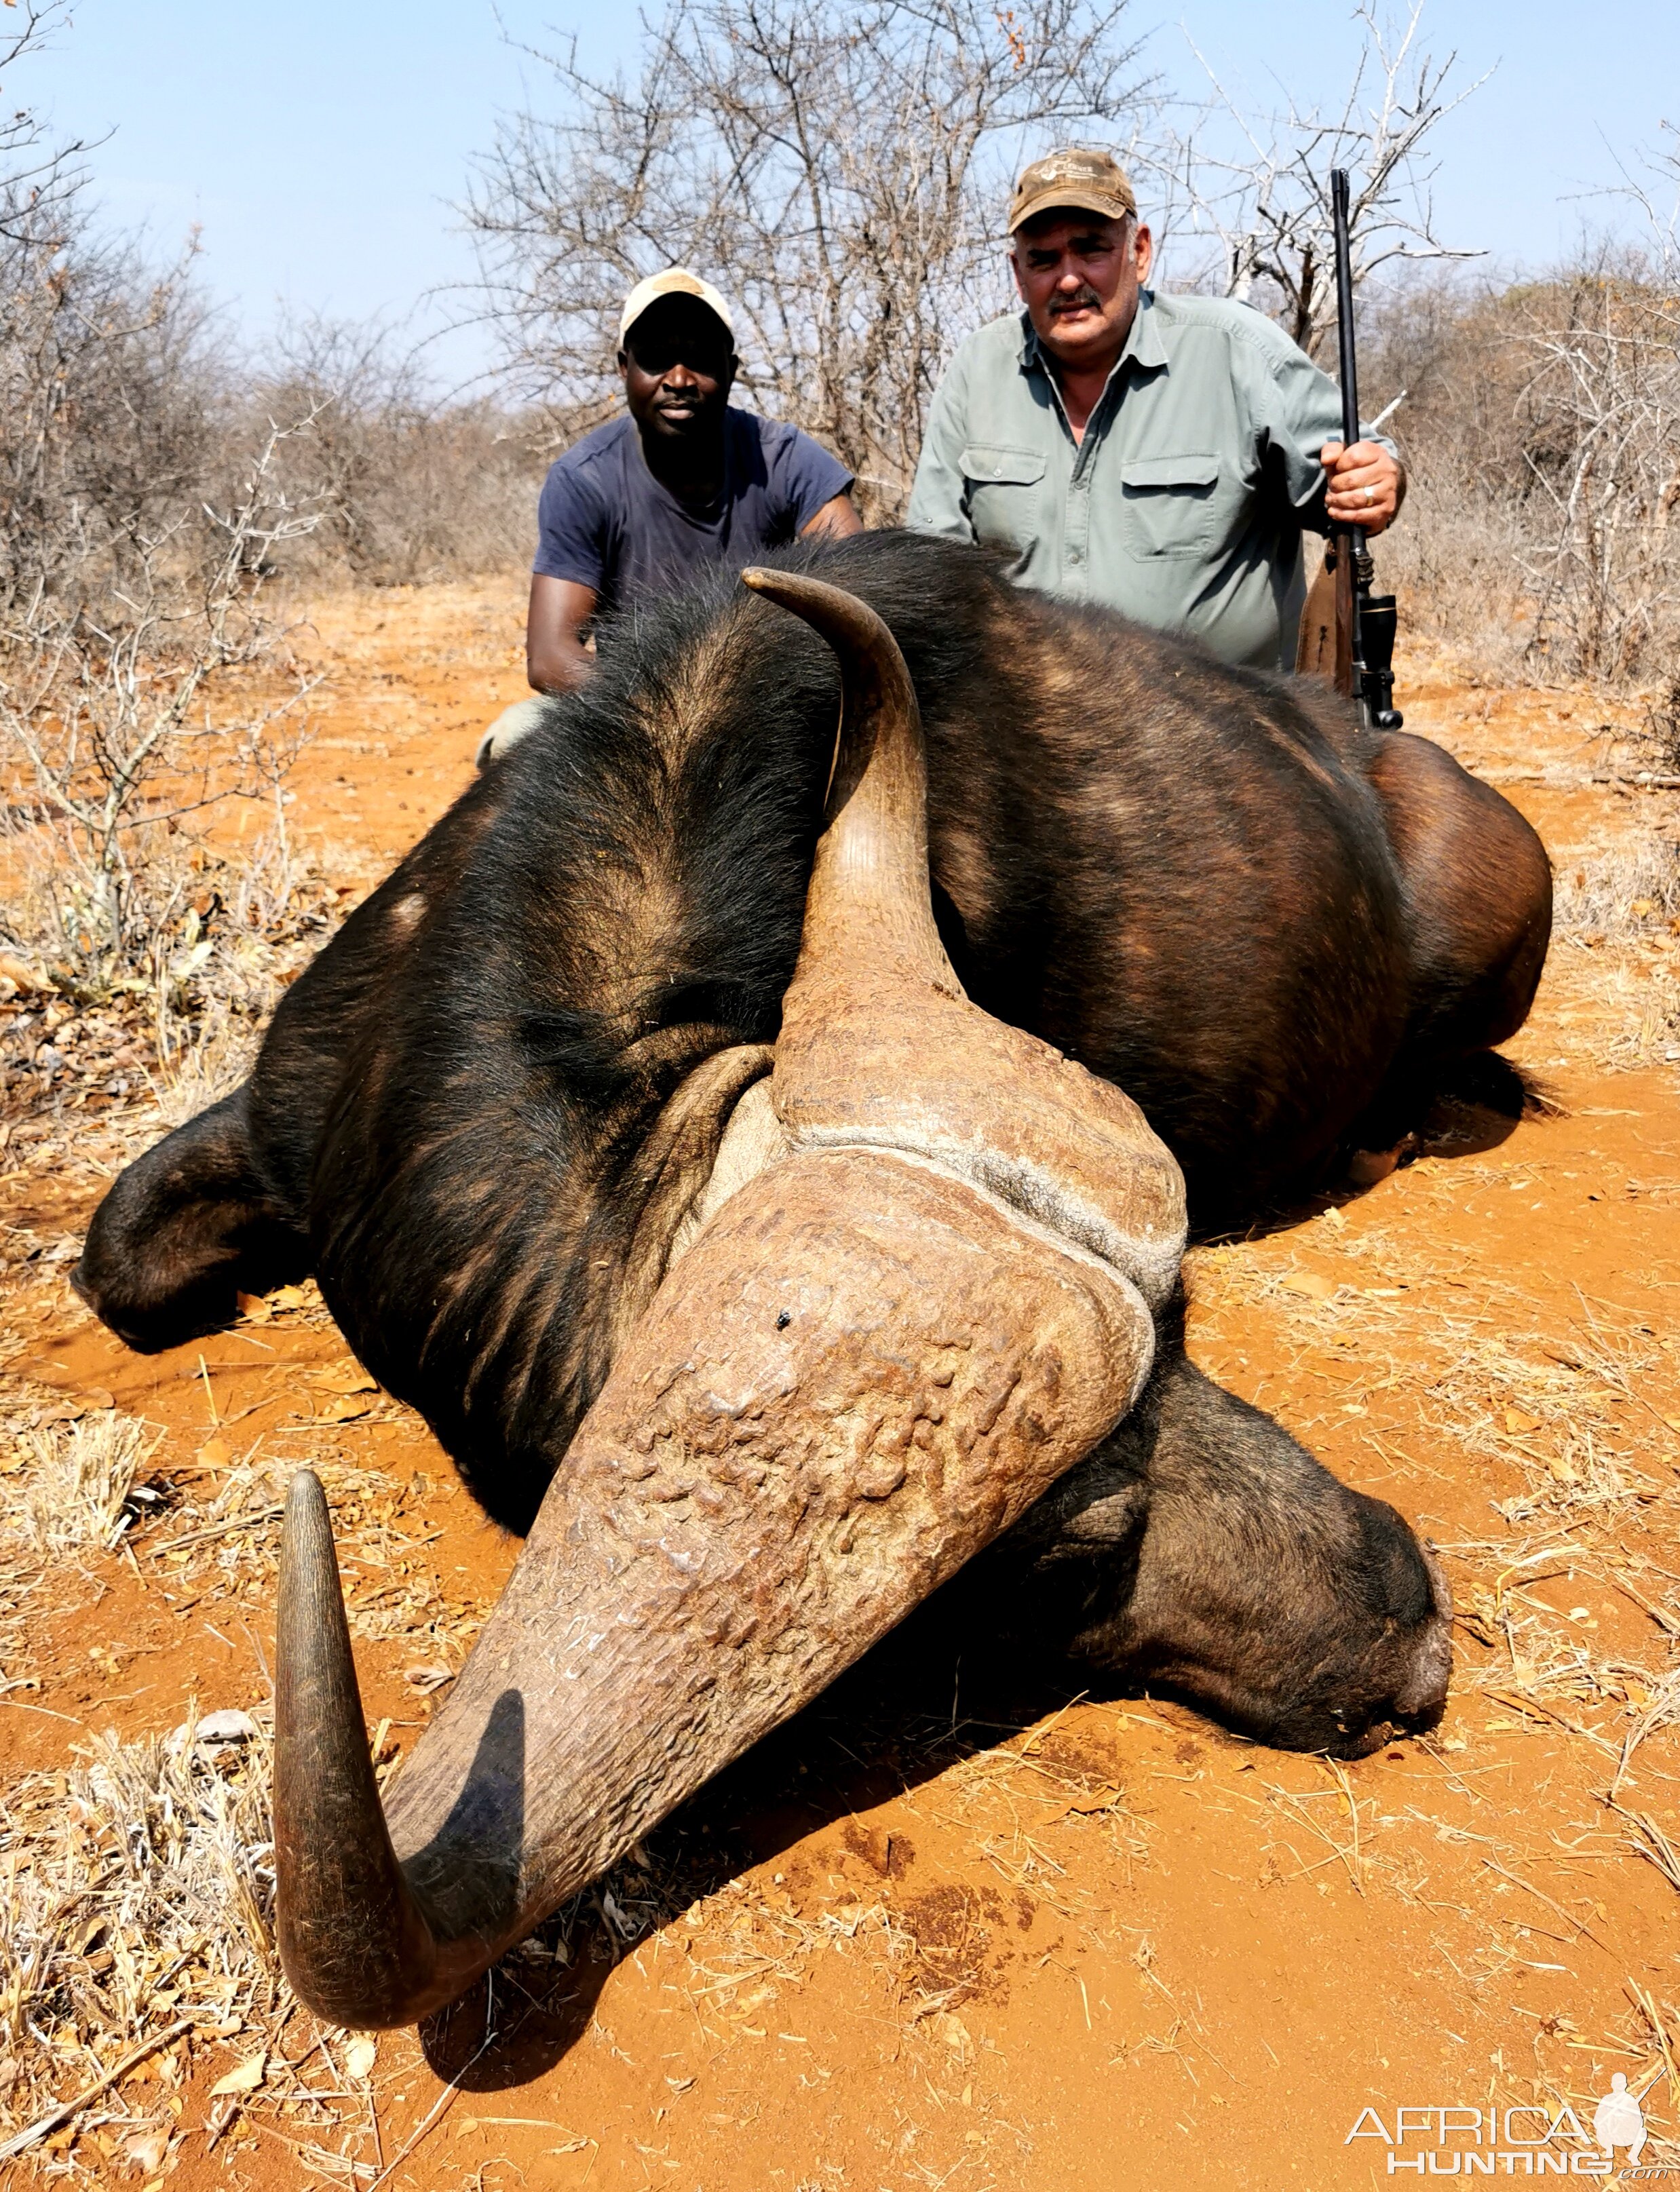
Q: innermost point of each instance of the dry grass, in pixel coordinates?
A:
(136, 1888)
(1622, 889)
(137, 1915)
(228, 1536)
(138, 1892)
(1614, 982)
(77, 1486)
(154, 1046)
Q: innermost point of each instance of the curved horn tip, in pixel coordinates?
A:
(306, 1507)
(354, 1943)
(844, 619)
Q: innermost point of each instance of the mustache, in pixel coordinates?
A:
(1086, 299)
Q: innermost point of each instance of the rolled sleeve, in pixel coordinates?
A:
(1299, 409)
(938, 501)
(571, 530)
(808, 478)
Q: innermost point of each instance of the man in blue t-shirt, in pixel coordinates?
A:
(681, 480)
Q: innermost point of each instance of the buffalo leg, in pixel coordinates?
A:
(1202, 1552)
(186, 1229)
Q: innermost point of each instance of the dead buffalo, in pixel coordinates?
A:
(850, 1274)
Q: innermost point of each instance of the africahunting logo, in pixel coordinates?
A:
(1467, 2141)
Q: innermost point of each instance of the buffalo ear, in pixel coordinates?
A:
(185, 1229)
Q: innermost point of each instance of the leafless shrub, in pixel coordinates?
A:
(106, 709)
(1259, 187)
(137, 529)
(1542, 427)
(839, 172)
(109, 374)
(411, 490)
(1601, 404)
(1545, 447)
(249, 924)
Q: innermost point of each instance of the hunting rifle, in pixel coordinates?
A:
(1365, 621)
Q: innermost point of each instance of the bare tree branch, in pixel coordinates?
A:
(1264, 199)
(839, 171)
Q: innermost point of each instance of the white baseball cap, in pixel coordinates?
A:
(675, 282)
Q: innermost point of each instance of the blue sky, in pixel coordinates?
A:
(318, 147)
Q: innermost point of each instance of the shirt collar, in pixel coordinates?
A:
(1143, 346)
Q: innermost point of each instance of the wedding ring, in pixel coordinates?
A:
(1370, 494)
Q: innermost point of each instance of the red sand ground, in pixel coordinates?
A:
(1109, 1947)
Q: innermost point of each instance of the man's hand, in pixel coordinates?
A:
(1365, 485)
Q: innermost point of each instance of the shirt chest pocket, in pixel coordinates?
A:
(1002, 487)
(1168, 503)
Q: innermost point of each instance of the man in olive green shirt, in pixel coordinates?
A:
(1157, 454)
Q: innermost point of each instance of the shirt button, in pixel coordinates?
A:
(1073, 555)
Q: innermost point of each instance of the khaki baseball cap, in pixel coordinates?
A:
(675, 282)
(1094, 182)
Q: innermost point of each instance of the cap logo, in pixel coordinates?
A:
(1094, 180)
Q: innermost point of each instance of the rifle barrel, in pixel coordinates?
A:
(1365, 621)
(1349, 369)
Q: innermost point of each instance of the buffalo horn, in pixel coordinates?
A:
(932, 1297)
(349, 1920)
(870, 875)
